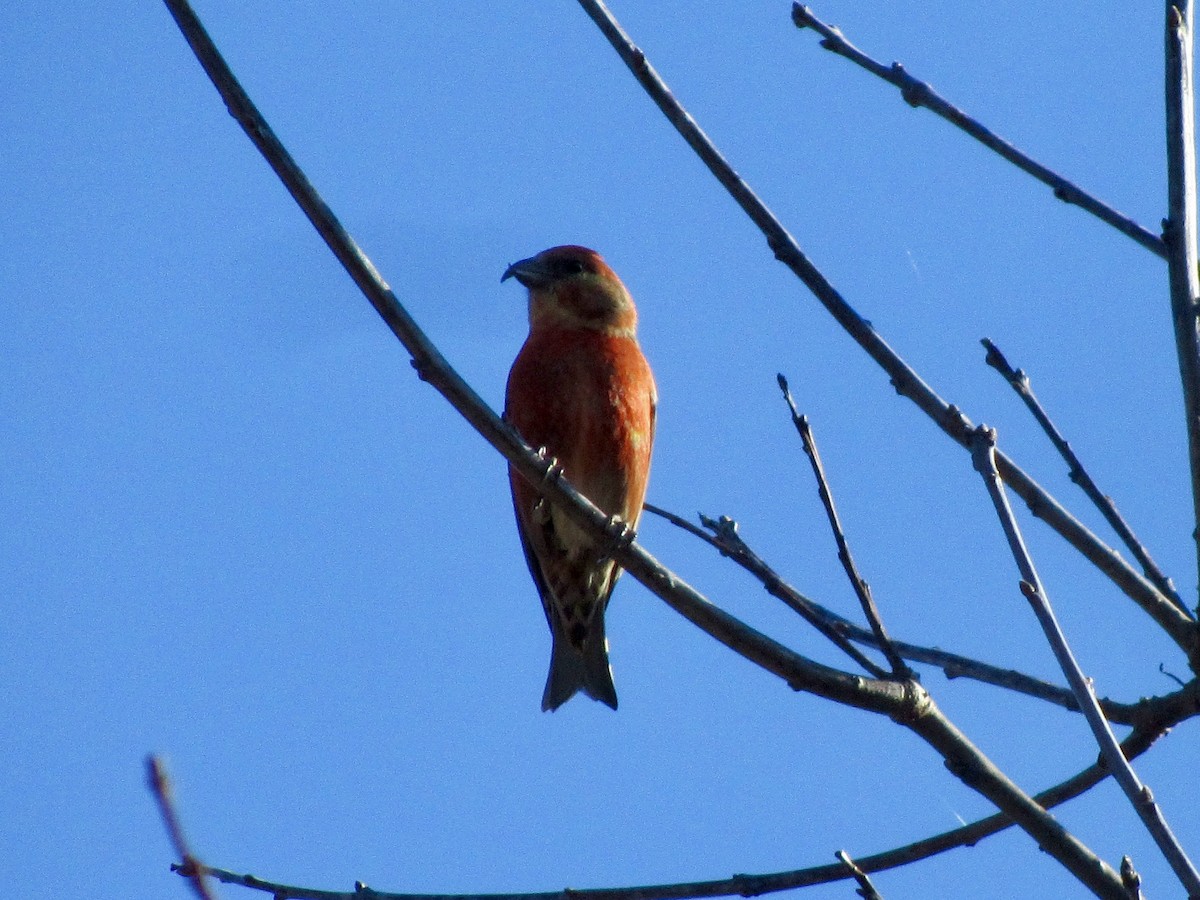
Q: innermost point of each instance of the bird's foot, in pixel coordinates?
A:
(618, 535)
(553, 470)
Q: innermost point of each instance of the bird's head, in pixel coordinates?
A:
(573, 287)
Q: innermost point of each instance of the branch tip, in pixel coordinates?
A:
(1130, 878)
(995, 358)
(1019, 381)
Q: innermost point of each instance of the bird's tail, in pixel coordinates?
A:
(574, 669)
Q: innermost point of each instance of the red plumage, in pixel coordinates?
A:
(580, 388)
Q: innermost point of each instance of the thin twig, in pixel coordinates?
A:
(918, 93)
(866, 890)
(983, 452)
(724, 535)
(729, 542)
(1019, 382)
(189, 866)
(1163, 671)
(906, 381)
(1179, 229)
(861, 588)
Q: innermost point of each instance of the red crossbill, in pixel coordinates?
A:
(581, 389)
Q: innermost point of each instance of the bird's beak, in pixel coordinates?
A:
(530, 272)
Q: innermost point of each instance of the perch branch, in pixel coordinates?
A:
(1179, 229)
(918, 93)
(1019, 382)
(861, 588)
(983, 452)
(905, 380)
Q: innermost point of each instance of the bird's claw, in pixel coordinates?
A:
(618, 534)
(554, 469)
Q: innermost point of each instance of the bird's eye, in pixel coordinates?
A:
(570, 267)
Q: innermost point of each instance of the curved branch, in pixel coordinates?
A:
(918, 93)
(904, 378)
(1138, 742)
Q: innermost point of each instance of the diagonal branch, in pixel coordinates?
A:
(1180, 228)
(861, 588)
(918, 93)
(983, 452)
(905, 380)
(725, 535)
(726, 539)
(1019, 382)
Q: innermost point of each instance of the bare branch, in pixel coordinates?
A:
(1179, 230)
(1019, 382)
(730, 543)
(918, 93)
(983, 452)
(861, 588)
(978, 773)
(906, 381)
(1137, 743)
(725, 535)
(189, 867)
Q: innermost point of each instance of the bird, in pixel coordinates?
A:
(581, 392)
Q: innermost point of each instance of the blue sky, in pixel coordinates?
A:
(239, 531)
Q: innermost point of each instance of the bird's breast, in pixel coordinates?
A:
(588, 398)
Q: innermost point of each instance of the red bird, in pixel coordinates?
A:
(581, 389)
